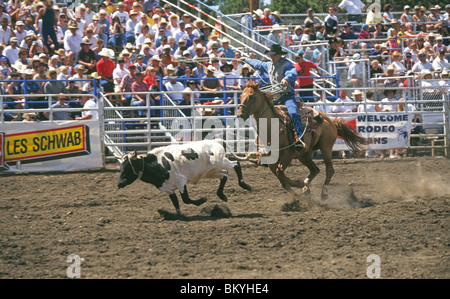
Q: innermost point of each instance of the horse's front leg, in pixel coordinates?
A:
(278, 169)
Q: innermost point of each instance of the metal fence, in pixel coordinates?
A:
(169, 122)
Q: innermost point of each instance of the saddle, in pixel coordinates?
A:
(311, 120)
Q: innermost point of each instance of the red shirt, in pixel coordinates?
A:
(266, 21)
(303, 70)
(105, 68)
(150, 81)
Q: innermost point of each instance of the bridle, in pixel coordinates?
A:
(253, 98)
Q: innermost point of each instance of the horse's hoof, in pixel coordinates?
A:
(324, 196)
(246, 186)
(306, 190)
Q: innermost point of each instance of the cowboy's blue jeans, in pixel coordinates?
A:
(292, 108)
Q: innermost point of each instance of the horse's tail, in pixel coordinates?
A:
(352, 139)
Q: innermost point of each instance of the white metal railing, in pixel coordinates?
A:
(123, 133)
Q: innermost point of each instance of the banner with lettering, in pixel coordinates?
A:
(382, 130)
(45, 146)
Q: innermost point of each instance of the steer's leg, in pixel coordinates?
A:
(238, 170)
(187, 200)
(176, 204)
(219, 193)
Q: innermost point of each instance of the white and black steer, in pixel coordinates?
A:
(172, 167)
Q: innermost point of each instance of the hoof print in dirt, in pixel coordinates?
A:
(166, 215)
(355, 202)
(216, 211)
(293, 206)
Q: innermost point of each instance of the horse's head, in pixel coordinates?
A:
(248, 100)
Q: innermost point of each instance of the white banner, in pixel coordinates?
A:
(383, 130)
(50, 146)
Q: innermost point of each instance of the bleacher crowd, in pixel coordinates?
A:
(137, 46)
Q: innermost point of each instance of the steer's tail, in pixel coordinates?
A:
(352, 139)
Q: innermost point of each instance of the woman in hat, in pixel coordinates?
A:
(283, 72)
(298, 33)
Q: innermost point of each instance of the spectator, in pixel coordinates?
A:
(343, 98)
(5, 31)
(407, 61)
(139, 100)
(54, 86)
(298, 33)
(440, 62)
(386, 105)
(354, 10)
(266, 20)
(331, 22)
(355, 74)
(105, 67)
(276, 18)
(47, 15)
(406, 17)
(11, 52)
(368, 105)
(89, 111)
(126, 84)
(423, 63)
(174, 88)
(275, 36)
(87, 57)
(303, 68)
(119, 72)
(312, 20)
(59, 115)
(117, 37)
(387, 14)
(229, 53)
(72, 44)
(400, 68)
(210, 83)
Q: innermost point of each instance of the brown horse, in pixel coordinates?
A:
(259, 104)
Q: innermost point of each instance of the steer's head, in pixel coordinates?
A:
(128, 169)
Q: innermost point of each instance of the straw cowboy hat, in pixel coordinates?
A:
(86, 42)
(105, 52)
(357, 92)
(51, 71)
(210, 68)
(81, 67)
(274, 50)
(95, 75)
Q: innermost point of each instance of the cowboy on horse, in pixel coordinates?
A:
(281, 71)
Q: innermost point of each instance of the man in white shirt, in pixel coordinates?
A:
(87, 113)
(72, 43)
(354, 9)
(355, 71)
(440, 62)
(344, 108)
(12, 51)
(174, 85)
(20, 31)
(119, 72)
(5, 31)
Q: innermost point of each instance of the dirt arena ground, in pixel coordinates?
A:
(395, 209)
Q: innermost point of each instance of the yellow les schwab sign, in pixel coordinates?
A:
(47, 144)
